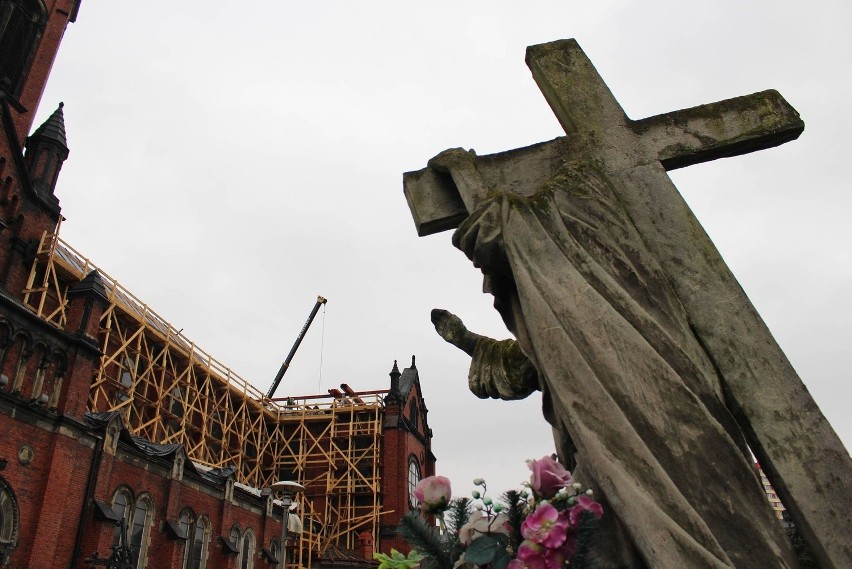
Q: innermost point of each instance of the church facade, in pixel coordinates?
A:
(121, 437)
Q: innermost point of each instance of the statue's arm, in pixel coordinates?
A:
(452, 329)
(498, 369)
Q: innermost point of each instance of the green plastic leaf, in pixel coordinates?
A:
(397, 560)
(501, 560)
(482, 550)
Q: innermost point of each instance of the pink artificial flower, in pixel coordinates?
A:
(535, 556)
(530, 556)
(584, 504)
(433, 493)
(546, 526)
(555, 558)
(481, 525)
(548, 476)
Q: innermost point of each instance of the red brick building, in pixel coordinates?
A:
(110, 414)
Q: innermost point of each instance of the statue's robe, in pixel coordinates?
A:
(629, 390)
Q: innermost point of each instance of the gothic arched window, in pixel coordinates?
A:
(9, 521)
(201, 537)
(235, 539)
(413, 479)
(197, 532)
(247, 550)
(176, 409)
(128, 372)
(176, 405)
(137, 515)
(122, 504)
(275, 549)
(143, 513)
(21, 25)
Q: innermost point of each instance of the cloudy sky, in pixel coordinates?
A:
(231, 161)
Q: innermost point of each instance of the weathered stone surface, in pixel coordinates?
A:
(680, 139)
(804, 458)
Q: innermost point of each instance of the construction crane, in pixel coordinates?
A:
(320, 301)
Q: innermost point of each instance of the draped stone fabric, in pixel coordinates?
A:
(630, 392)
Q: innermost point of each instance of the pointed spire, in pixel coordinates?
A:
(394, 375)
(53, 128)
(46, 150)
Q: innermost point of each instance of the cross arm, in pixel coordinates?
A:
(722, 129)
(441, 195)
(434, 200)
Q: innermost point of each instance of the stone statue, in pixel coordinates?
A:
(633, 396)
(657, 374)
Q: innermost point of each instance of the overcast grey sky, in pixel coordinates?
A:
(230, 161)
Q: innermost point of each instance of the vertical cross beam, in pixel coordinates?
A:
(805, 460)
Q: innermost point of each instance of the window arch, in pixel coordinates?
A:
(275, 550)
(33, 372)
(247, 550)
(197, 532)
(9, 521)
(235, 540)
(53, 380)
(413, 478)
(202, 539)
(127, 372)
(176, 405)
(122, 505)
(143, 514)
(137, 515)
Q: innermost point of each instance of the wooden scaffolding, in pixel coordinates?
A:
(332, 446)
(171, 391)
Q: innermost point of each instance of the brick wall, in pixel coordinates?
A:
(51, 488)
(403, 438)
(46, 481)
(59, 14)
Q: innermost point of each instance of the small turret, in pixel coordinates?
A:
(46, 151)
(394, 377)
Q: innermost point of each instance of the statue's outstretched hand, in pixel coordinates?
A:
(452, 329)
(500, 369)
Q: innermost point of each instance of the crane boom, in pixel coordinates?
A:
(320, 301)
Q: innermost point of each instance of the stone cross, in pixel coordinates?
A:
(800, 452)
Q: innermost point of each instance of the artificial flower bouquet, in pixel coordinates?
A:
(549, 526)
